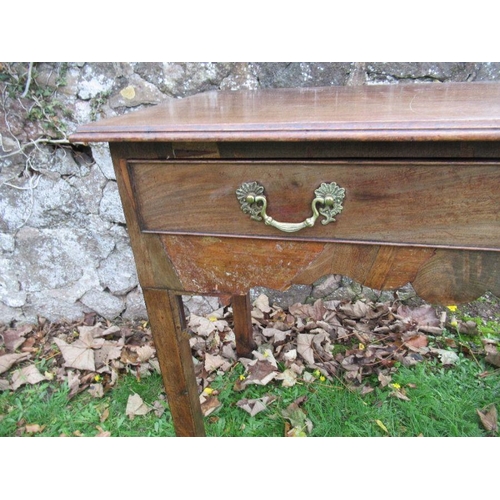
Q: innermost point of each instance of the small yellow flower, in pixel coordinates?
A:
(213, 319)
(361, 346)
(322, 378)
(316, 373)
(452, 308)
(208, 391)
(454, 322)
(97, 378)
(396, 386)
(242, 377)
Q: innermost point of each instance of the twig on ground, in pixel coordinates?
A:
(28, 80)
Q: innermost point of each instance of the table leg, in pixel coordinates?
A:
(166, 316)
(243, 329)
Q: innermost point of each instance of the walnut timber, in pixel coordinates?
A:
(419, 166)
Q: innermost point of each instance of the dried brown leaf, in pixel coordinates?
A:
(28, 346)
(213, 362)
(155, 365)
(260, 372)
(254, 406)
(349, 363)
(423, 316)
(34, 428)
(353, 375)
(433, 330)
(27, 375)
(136, 406)
(257, 314)
(143, 370)
(384, 379)
(73, 381)
(8, 360)
(400, 394)
(204, 326)
(412, 359)
(102, 432)
(446, 357)
(108, 352)
(265, 354)
(228, 352)
(328, 368)
(379, 310)
(77, 355)
(239, 385)
(322, 344)
(417, 341)
(112, 330)
(493, 358)
(289, 378)
(158, 408)
(14, 337)
(314, 311)
(489, 418)
(356, 310)
(299, 310)
(297, 417)
(145, 352)
(366, 389)
(304, 347)
(275, 335)
(88, 333)
(96, 390)
(262, 303)
(129, 356)
(89, 338)
(209, 405)
(4, 385)
(104, 415)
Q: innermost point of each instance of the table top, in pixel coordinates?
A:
(431, 111)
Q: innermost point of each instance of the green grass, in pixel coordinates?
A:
(47, 405)
(443, 402)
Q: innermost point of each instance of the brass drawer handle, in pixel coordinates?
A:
(254, 202)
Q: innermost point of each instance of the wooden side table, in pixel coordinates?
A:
(225, 191)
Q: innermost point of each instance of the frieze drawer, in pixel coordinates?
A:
(422, 203)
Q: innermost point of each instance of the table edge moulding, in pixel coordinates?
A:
(226, 191)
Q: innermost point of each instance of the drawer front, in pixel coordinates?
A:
(448, 204)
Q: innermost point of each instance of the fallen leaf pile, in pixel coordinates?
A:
(87, 355)
(347, 340)
(359, 344)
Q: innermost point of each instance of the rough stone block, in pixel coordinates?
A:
(110, 207)
(103, 303)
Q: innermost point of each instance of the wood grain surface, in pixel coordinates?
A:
(454, 111)
(448, 204)
(166, 315)
(214, 266)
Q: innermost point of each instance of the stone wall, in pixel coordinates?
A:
(64, 248)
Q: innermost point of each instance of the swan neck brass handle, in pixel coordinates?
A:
(329, 197)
